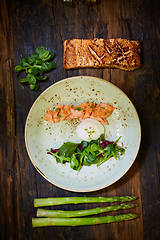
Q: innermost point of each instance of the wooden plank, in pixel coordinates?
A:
(8, 219)
(7, 116)
(28, 24)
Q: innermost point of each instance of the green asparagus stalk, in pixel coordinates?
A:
(79, 213)
(42, 202)
(44, 222)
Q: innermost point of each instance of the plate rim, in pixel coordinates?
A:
(42, 174)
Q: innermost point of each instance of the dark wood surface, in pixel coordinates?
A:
(24, 25)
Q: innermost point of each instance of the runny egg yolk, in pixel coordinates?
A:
(90, 129)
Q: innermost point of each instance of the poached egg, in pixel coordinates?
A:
(89, 129)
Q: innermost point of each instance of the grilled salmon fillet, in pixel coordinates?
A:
(113, 53)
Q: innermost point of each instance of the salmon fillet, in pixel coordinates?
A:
(83, 111)
(113, 53)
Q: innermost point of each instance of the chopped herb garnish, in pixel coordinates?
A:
(59, 116)
(56, 110)
(102, 107)
(79, 108)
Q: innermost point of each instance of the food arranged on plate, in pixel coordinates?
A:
(78, 134)
(94, 149)
(83, 111)
(87, 153)
(100, 53)
(89, 129)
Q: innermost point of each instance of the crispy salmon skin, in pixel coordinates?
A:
(112, 53)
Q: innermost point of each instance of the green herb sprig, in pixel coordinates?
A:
(35, 66)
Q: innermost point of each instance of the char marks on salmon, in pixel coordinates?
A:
(113, 53)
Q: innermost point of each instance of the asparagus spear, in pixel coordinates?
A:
(42, 202)
(79, 213)
(44, 222)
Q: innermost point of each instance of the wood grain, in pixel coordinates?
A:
(26, 24)
(7, 116)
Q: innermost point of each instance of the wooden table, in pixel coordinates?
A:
(24, 25)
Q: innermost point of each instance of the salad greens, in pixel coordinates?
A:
(87, 153)
(35, 66)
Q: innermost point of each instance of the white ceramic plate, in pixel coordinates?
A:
(41, 135)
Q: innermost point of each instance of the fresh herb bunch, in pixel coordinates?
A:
(87, 153)
(36, 66)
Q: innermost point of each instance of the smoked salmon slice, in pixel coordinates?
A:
(83, 111)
